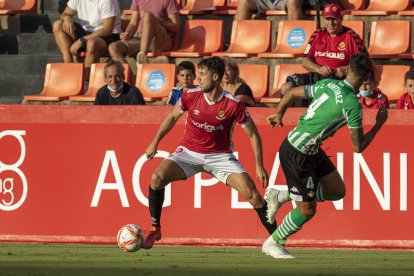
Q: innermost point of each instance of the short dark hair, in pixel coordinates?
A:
(361, 65)
(215, 65)
(116, 63)
(186, 65)
(409, 75)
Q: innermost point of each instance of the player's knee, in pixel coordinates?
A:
(307, 210)
(285, 87)
(157, 180)
(57, 25)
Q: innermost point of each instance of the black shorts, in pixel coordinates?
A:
(302, 171)
(307, 78)
(80, 32)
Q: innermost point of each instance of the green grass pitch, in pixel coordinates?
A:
(75, 259)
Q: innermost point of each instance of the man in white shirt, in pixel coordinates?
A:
(98, 25)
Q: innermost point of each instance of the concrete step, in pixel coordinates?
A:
(54, 6)
(26, 64)
(28, 43)
(14, 87)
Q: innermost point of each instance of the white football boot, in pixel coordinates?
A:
(278, 251)
(273, 204)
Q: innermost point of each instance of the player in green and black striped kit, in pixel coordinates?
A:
(310, 174)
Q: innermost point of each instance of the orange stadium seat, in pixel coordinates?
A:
(292, 38)
(18, 6)
(96, 81)
(248, 38)
(230, 10)
(357, 26)
(282, 71)
(352, 5)
(256, 76)
(200, 38)
(155, 81)
(62, 80)
(389, 38)
(391, 80)
(384, 7)
(202, 6)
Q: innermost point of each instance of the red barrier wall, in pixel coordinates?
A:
(78, 173)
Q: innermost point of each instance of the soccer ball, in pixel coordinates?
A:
(130, 238)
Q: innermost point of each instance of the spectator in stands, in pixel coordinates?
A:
(117, 91)
(98, 25)
(246, 8)
(328, 52)
(152, 26)
(406, 101)
(185, 77)
(232, 82)
(370, 96)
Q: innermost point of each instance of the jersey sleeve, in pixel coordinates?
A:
(183, 102)
(108, 9)
(73, 4)
(353, 112)
(358, 43)
(312, 89)
(310, 49)
(134, 5)
(242, 115)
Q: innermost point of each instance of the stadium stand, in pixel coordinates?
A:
(18, 6)
(357, 26)
(391, 80)
(200, 38)
(96, 81)
(229, 10)
(389, 38)
(351, 5)
(62, 80)
(256, 76)
(155, 81)
(292, 37)
(202, 6)
(248, 38)
(281, 72)
(384, 7)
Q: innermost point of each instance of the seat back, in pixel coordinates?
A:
(256, 76)
(63, 80)
(250, 36)
(282, 71)
(17, 6)
(387, 5)
(293, 35)
(389, 37)
(390, 80)
(203, 5)
(357, 26)
(97, 78)
(353, 4)
(155, 80)
(203, 36)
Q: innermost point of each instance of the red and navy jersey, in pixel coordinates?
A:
(209, 124)
(378, 98)
(404, 102)
(334, 51)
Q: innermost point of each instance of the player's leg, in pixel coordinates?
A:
(95, 48)
(331, 187)
(63, 40)
(245, 9)
(119, 50)
(244, 184)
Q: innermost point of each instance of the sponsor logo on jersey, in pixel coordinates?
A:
(233, 159)
(294, 190)
(330, 54)
(207, 127)
(220, 115)
(196, 112)
(341, 46)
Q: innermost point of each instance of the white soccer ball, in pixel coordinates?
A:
(130, 237)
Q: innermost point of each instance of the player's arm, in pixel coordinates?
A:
(287, 100)
(172, 24)
(256, 140)
(361, 141)
(67, 18)
(312, 66)
(165, 127)
(132, 27)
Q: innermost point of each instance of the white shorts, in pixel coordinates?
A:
(220, 165)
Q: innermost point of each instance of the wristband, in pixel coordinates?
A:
(83, 40)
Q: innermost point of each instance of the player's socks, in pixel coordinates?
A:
(321, 196)
(261, 212)
(292, 223)
(156, 199)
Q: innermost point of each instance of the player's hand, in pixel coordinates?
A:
(262, 176)
(75, 47)
(382, 115)
(340, 72)
(275, 119)
(324, 71)
(124, 36)
(68, 26)
(151, 151)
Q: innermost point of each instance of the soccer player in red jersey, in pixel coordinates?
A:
(328, 52)
(406, 101)
(207, 145)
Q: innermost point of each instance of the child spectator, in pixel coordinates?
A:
(406, 101)
(185, 77)
(370, 96)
